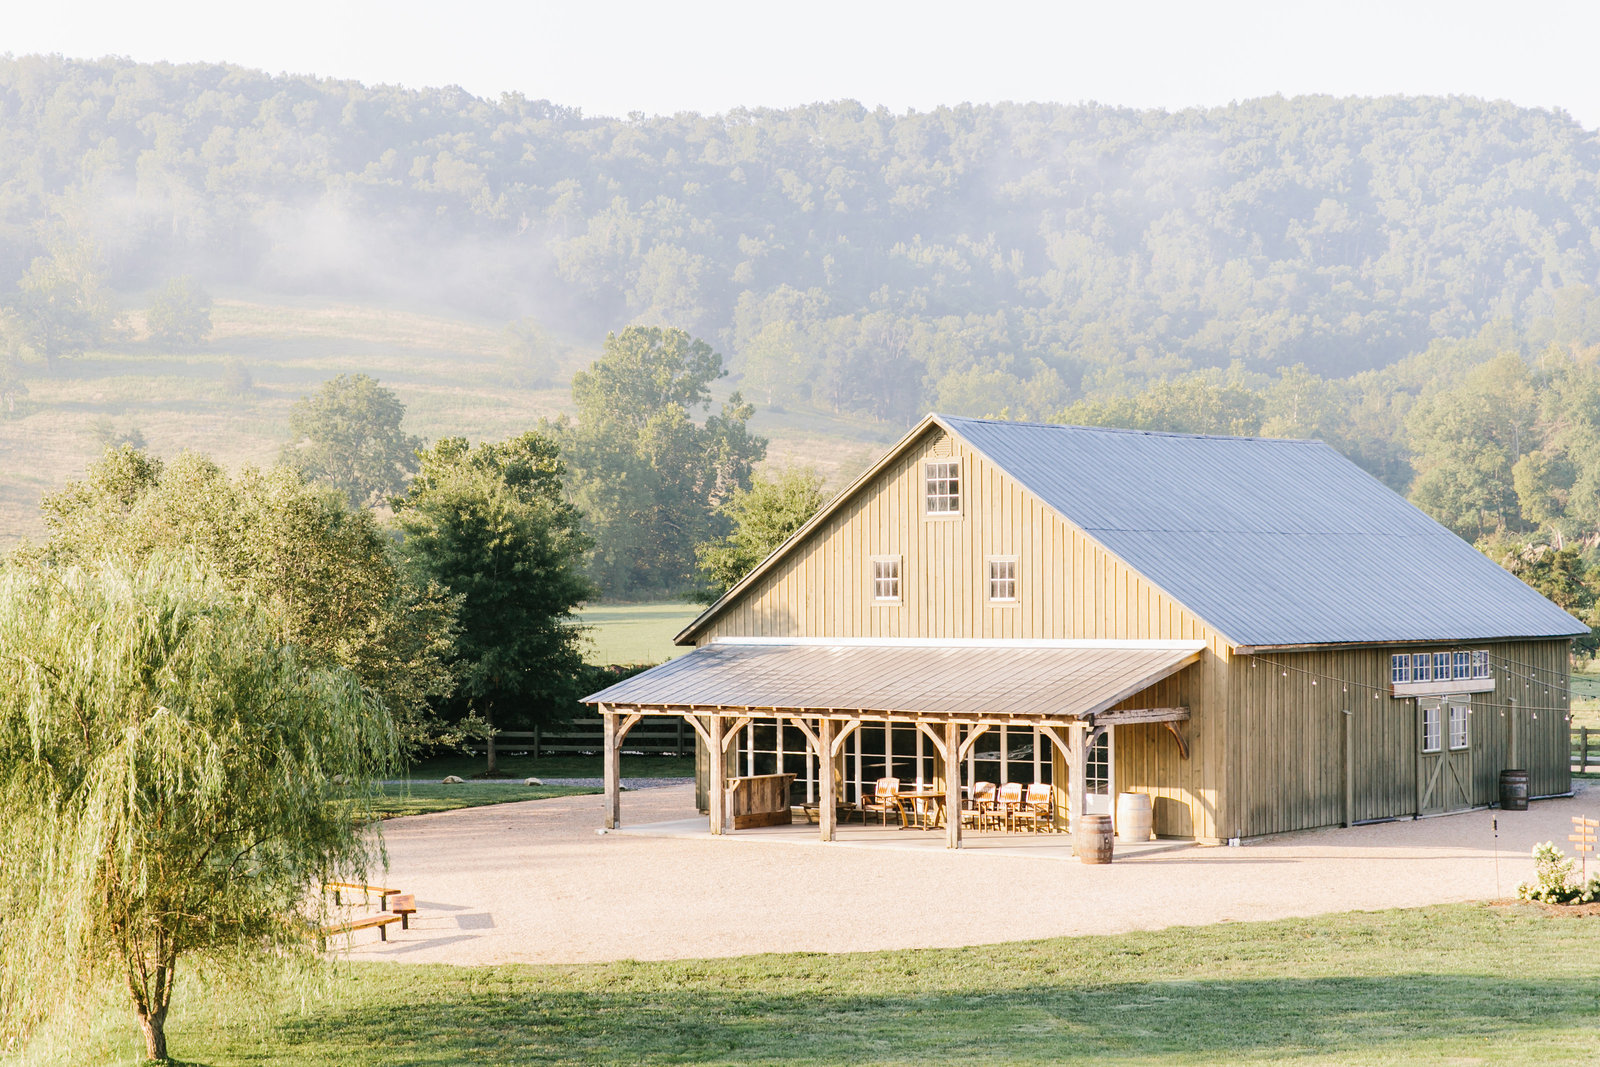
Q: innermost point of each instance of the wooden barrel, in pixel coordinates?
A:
(1133, 817)
(1092, 842)
(1513, 790)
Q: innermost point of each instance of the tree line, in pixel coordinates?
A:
(971, 258)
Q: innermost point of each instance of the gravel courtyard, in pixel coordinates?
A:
(534, 883)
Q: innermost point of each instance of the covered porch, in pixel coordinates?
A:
(946, 695)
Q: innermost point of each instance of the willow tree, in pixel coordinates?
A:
(173, 781)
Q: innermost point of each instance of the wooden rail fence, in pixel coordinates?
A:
(654, 735)
(1585, 749)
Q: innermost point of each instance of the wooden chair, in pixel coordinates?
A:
(1040, 801)
(883, 799)
(1010, 803)
(983, 810)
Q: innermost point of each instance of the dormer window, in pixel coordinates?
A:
(942, 482)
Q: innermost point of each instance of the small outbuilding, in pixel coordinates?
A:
(1254, 633)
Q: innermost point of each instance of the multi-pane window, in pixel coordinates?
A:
(1458, 725)
(886, 578)
(1400, 667)
(942, 480)
(1441, 666)
(1430, 727)
(1422, 667)
(1480, 664)
(1461, 665)
(1456, 665)
(1097, 765)
(1002, 579)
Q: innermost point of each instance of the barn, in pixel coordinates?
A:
(1254, 633)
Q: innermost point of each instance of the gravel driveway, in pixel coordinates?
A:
(534, 883)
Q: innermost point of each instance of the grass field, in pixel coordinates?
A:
(1462, 984)
(447, 369)
(637, 633)
(1586, 700)
(424, 798)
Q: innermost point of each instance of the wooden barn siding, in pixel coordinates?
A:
(1069, 587)
(1289, 742)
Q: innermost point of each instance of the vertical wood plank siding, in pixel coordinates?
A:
(1068, 586)
(1266, 746)
(1291, 747)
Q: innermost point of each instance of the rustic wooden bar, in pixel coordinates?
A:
(759, 800)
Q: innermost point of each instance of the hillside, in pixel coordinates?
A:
(973, 258)
(230, 398)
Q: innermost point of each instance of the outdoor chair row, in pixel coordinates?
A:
(1010, 807)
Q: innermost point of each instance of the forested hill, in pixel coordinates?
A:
(970, 258)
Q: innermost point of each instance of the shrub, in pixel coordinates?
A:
(1554, 881)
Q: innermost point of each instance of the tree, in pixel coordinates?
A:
(60, 307)
(174, 784)
(348, 435)
(326, 573)
(492, 525)
(180, 314)
(763, 517)
(645, 474)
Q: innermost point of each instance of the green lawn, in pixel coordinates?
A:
(1460, 984)
(420, 799)
(555, 767)
(637, 633)
(1585, 700)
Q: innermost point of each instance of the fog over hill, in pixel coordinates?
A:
(1017, 256)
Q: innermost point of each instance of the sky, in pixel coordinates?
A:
(614, 58)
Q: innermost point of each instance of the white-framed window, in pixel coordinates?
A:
(1400, 667)
(1003, 579)
(1458, 725)
(886, 579)
(1441, 666)
(1097, 765)
(942, 486)
(1430, 727)
(1422, 667)
(1461, 664)
(1480, 664)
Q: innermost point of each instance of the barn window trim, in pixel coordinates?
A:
(941, 488)
(1459, 738)
(1432, 736)
(885, 580)
(1000, 583)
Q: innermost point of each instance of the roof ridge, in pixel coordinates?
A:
(1129, 430)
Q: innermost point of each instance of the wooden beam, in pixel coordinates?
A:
(613, 769)
(1077, 769)
(851, 726)
(951, 749)
(932, 735)
(732, 734)
(1183, 746)
(701, 729)
(811, 735)
(972, 739)
(827, 814)
(719, 777)
(1128, 716)
(627, 724)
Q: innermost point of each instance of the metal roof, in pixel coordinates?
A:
(963, 680)
(1269, 541)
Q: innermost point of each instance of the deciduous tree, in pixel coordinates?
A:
(492, 525)
(348, 435)
(180, 314)
(176, 777)
(763, 517)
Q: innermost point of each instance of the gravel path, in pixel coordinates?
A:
(534, 883)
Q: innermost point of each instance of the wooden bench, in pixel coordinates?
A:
(381, 920)
(366, 891)
(405, 906)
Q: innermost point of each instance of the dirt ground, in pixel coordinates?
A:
(535, 883)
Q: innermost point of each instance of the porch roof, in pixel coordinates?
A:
(962, 681)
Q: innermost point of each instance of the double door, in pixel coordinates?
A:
(1445, 754)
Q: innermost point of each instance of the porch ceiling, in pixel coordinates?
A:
(963, 681)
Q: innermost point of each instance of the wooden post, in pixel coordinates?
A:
(613, 769)
(952, 785)
(827, 812)
(719, 775)
(536, 740)
(1583, 764)
(1349, 769)
(1077, 770)
(679, 752)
